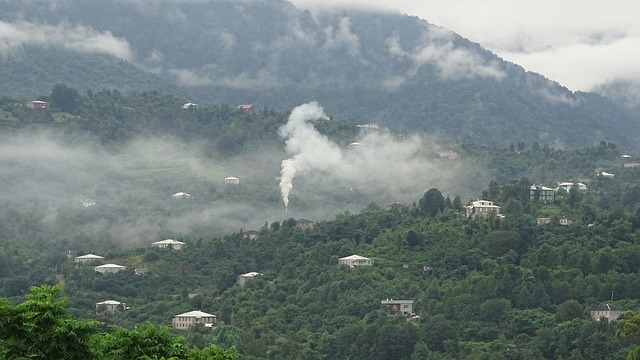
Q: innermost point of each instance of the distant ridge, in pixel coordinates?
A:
(372, 67)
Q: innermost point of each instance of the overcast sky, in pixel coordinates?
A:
(578, 43)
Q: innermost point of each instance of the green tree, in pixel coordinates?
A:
(629, 328)
(412, 238)
(568, 310)
(150, 342)
(436, 331)
(65, 98)
(226, 335)
(457, 204)
(575, 195)
(432, 203)
(42, 328)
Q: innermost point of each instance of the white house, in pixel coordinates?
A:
(188, 319)
(87, 202)
(607, 311)
(109, 268)
(563, 220)
(355, 260)
(169, 244)
(451, 155)
(404, 307)
(109, 306)
(89, 258)
(187, 106)
(180, 195)
(566, 185)
(482, 208)
(605, 174)
(252, 234)
(243, 278)
(543, 220)
(232, 180)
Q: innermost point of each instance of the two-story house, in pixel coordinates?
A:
(482, 208)
(541, 193)
(191, 318)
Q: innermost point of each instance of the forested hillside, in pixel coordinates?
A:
(482, 288)
(31, 71)
(373, 67)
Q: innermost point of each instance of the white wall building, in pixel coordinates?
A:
(188, 319)
(404, 307)
(355, 260)
(180, 195)
(109, 306)
(607, 311)
(109, 268)
(482, 208)
(89, 258)
(169, 244)
(243, 278)
(232, 180)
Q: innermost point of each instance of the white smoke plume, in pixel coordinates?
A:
(309, 148)
(378, 166)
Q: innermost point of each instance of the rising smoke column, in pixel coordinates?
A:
(308, 148)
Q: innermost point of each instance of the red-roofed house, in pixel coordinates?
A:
(246, 107)
(38, 104)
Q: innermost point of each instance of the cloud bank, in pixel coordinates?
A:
(45, 183)
(77, 38)
(580, 44)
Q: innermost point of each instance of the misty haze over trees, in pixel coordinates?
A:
(374, 129)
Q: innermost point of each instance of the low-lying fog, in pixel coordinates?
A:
(87, 198)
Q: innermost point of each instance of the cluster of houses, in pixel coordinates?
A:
(243, 107)
(537, 192)
(231, 180)
(607, 312)
(402, 307)
(395, 307)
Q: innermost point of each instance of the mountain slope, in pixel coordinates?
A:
(32, 71)
(373, 67)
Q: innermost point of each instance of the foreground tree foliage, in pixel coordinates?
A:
(43, 328)
(629, 328)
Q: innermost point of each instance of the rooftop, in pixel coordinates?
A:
(114, 266)
(196, 314)
(90, 256)
(168, 242)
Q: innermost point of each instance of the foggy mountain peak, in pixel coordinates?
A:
(371, 66)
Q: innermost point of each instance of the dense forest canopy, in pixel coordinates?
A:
(98, 178)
